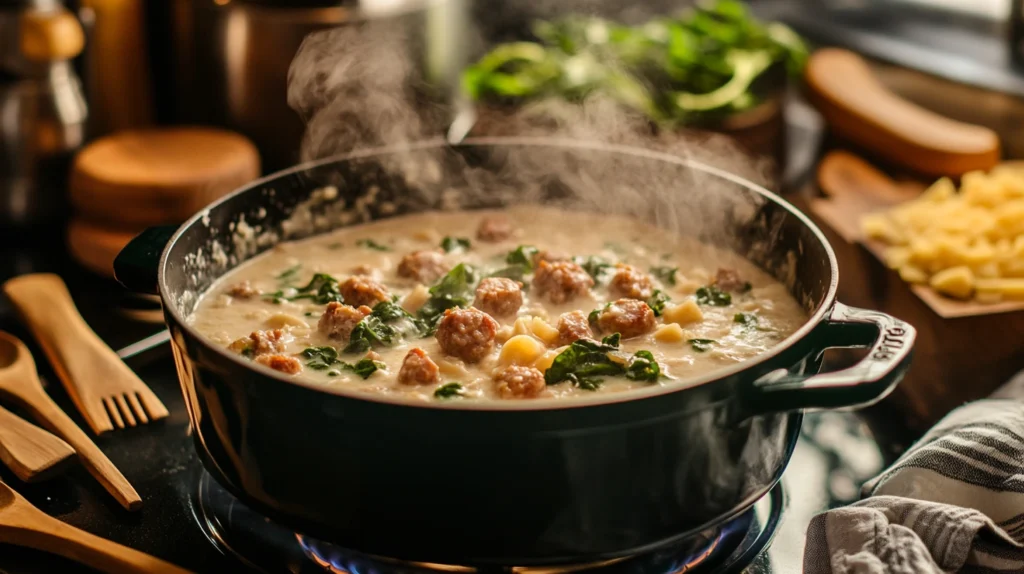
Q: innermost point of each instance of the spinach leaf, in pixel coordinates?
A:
(702, 345)
(712, 295)
(288, 274)
(321, 289)
(748, 320)
(643, 367)
(448, 391)
(596, 313)
(585, 358)
(371, 244)
(368, 333)
(666, 275)
(745, 288)
(323, 358)
(450, 244)
(657, 302)
(595, 266)
(392, 312)
(513, 272)
(366, 367)
(522, 256)
(612, 340)
(453, 290)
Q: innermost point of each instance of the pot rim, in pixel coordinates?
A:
(546, 404)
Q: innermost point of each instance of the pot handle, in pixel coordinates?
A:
(137, 265)
(869, 381)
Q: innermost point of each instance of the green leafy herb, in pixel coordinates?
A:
(595, 266)
(323, 358)
(368, 333)
(371, 244)
(514, 272)
(289, 273)
(702, 345)
(453, 290)
(596, 313)
(704, 65)
(712, 295)
(643, 367)
(249, 351)
(748, 320)
(522, 256)
(745, 288)
(666, 275)
(657, 302)
(450, 244)
(366, 367)
(321, 289)
(586, 361)
(448, 391)
(612, 340)
(391, 312)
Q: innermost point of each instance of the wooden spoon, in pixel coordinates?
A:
(25, 525)
(20, 384)
(30, 452)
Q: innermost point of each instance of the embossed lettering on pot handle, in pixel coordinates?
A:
(891, 343)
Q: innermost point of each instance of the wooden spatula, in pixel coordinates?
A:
(20, 384)
(25, 525)
(30, 452)
(858, 108)
(105, 390)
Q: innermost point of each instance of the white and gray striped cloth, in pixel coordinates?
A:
(954, 502)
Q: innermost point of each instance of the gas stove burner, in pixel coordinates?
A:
(265, 546)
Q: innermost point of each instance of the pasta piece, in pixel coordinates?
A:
(521, 350)
(684, 313)
(956, 282)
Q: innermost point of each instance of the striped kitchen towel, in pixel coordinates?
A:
(954, 502)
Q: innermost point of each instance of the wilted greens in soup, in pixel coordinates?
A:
(522, 303)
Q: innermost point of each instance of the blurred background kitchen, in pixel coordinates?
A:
(117, 115)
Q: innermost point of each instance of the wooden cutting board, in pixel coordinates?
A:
(853, 188)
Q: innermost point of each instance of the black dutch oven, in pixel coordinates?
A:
(517, 482)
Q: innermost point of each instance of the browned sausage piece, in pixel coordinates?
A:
(498, 296)
(361, 290)
(466, 333)
(243, 290)
(283, 363)
(561, 281)
(338, 320)
(418, 369)
(423, 266)
(627, 317)
(550, 257)
(494, 228)
(630, 283)
(573, 326)
(260, 343)
(728, 280)
(516, 382)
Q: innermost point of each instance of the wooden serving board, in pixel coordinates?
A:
(853, 189)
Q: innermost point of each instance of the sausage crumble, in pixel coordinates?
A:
(498, 296)
(467, 334)
(561, 281)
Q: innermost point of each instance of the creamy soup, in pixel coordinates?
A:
(514, 304)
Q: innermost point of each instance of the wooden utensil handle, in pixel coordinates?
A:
(42, 532)
(30, 452)
(51, 416)
(46, 305)
(858, 108)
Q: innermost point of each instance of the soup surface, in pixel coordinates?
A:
(514, 304)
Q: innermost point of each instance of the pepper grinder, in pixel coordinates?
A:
(42, 108)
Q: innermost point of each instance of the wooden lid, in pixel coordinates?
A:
(138, 178)
(94, 246)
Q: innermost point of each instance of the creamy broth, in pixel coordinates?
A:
(714, 308)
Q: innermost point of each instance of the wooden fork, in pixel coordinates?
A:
(22, 524)
(105, 390)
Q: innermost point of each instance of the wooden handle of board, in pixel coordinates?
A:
(30, 452)
(24, 525)
(858, 108)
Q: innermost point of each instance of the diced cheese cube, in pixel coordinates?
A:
(669, 333)
(684, 313)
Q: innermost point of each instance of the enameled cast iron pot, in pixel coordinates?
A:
(523, 482)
